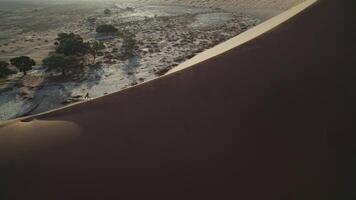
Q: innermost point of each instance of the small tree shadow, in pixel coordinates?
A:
(130, 68)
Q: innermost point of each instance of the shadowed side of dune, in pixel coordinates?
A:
(20, 138)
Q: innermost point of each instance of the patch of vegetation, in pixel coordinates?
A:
(70, 44)
(70, 48)
(163, 71)
(107, 11)
(61, 62)
(4, 70)
(70, 52)
(94, 48)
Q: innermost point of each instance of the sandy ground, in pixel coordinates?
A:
(235, 4)
(257, 122)
(262, 8)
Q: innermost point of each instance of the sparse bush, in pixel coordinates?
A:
(91, 20)
(106, 29)
(162, 71)
(130, 9)
(107, 11)
(129, 44)
(64, 36)
(94, 48)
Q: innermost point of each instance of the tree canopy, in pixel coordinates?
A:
(70, 44)
(23, 63)
(60, 62)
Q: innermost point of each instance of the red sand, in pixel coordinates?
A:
(271, 119)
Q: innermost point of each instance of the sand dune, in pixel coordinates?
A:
(270, 119)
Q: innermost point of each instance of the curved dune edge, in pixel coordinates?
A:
(244, 37)
(19, 138)
(201, 57)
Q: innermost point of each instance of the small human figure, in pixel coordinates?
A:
(87, 96)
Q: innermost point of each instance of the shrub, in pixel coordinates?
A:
(106, 29)
(4, 70)
(107, 11)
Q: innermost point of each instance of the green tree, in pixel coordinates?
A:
(61, 62)
(106, 29)
(94, 48)
(70, 44)
(23, 63)
(4, 70)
